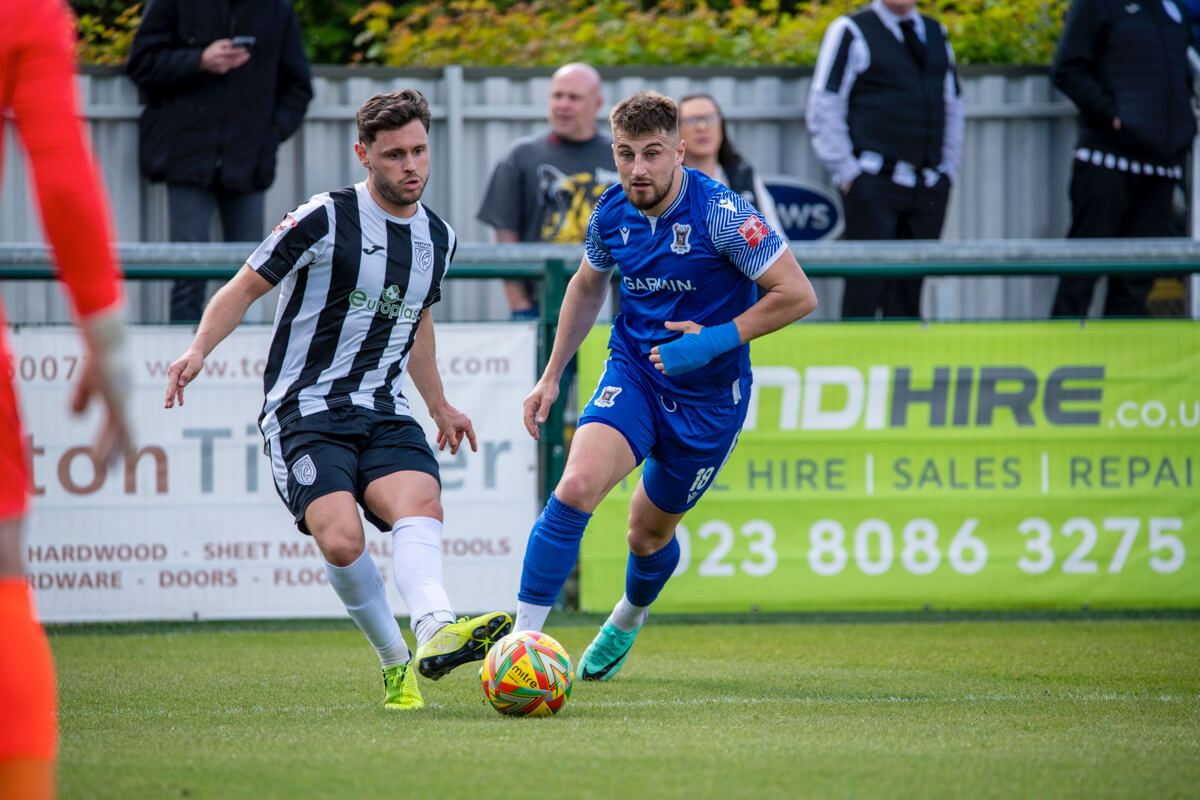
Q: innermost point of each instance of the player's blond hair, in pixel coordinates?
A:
(645, 114)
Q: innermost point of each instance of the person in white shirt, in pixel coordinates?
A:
(886, 116)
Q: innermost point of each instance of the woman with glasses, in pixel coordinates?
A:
(709, 150)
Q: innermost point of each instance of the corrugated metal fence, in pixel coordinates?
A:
(1013, 184)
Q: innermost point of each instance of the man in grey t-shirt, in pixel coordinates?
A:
(544, 188)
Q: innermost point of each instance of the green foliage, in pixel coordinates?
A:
(328, 34)
(1003, 31)
(106, 32)
(674, 32)
(553, 32)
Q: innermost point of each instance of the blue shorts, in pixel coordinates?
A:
(684, 445)
(343, 450)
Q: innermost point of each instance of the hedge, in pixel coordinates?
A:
(552, 32)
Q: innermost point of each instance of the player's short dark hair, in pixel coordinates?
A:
(389, 111)
(645, 114)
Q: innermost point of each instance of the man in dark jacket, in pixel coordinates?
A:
(225, 81)
(1124, 65)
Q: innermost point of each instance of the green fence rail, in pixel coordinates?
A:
(552, 265)
(977, 258)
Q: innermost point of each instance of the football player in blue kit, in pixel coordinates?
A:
(693, 256)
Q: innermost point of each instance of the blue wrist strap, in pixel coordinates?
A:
(694, 350)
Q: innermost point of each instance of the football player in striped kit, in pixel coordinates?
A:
(358, 270)
(693, 256)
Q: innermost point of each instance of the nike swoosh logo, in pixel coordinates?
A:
(375, 248)
(599, 674)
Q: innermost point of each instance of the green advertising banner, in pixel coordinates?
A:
(949, 465)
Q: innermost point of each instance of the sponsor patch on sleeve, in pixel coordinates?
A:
(753, 230)
(288, 221)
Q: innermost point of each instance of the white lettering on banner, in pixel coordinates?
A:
(191, 526)
(872, 547)
(866, 400)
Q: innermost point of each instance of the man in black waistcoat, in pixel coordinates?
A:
(1124, 64)
(225, 81)
(886, 117)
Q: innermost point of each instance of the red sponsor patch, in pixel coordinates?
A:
(288, 221)
(753, 230)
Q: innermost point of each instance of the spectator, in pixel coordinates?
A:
(544, 188)
(225, 82)
(1125, 67)
(37, 87)
(886, 117)
(710, 150)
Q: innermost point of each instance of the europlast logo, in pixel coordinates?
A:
(389, 304)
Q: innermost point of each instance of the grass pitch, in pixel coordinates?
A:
(958, 708)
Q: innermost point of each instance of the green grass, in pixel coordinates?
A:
(957, 708)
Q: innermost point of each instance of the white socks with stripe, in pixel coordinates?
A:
(360, 587)
(417, 570)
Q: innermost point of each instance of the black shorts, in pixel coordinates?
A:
(343, 450)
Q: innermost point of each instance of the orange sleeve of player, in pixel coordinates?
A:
(37, 82)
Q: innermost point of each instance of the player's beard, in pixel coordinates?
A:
(397, 194)
(658, 193)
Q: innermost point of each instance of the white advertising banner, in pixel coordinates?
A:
(192, 527)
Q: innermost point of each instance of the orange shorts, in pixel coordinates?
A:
(28, 724)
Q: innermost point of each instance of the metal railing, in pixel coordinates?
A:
(552, 265)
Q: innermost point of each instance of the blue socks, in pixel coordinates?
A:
(552, 551)
(645, 576)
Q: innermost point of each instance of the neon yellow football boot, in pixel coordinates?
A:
(461, 643)
(400, 687)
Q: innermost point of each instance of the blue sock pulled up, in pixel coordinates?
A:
(645, 576)
(551, 553)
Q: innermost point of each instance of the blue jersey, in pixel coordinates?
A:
(698, 262)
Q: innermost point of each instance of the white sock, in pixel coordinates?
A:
(530, 617)
(626, 616)
(361, 590)
(427, 626)
(417, 570)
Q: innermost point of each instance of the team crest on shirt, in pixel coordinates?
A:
(681, 244)
(423, 255)
(607, 395)
(288, 221)
(305, 471)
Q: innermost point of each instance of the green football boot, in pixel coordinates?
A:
(400, 687)
(461, 643)
(604, 656)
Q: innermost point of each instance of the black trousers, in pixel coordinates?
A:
(877, 208)
(190, 211)
(1108, 203)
